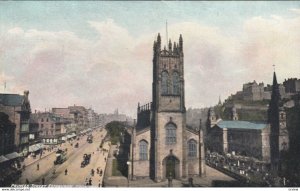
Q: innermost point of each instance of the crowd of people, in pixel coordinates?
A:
(250, 169)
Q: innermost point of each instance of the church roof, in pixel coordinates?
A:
(242, 125)
(141, 128)
(11, 99)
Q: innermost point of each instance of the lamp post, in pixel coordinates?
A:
(128, 164)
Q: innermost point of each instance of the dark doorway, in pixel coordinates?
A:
(171, 166)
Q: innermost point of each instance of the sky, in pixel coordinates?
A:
(99, 53)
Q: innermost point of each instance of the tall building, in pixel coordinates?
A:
(17, 107)
(162, 145)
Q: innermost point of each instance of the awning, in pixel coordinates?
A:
(36, 147)
(3, 159)
(33, 148)
(12, 156)
(71, 135)
(41, 145)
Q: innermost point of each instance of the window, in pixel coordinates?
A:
(192, 146)
(47, 120)
(170, 134)
(42, 120)
(143, 150)
(164, 82)
(176, 83)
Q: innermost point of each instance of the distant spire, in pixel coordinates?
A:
(170, 45)
(200, 124)
(158, 44)
(4, 86)
(220, 100)
(275, 79)
(180, 43)
(174, 47)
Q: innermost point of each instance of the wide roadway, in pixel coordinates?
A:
(76, 175)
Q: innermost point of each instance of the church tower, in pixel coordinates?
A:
(168, 139)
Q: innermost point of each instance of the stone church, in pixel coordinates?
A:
(162, 144)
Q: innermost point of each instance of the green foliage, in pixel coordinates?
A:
(114, 129)
(253, 115)
(248, 102)
(245, 114)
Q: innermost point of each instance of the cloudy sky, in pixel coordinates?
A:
(99, 54)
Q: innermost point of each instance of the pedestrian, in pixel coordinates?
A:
(98, 170)
(90, 181)
(27, 181)
(66, 172)
(43, 181)
(38, 166)
(53, 171)
(24, 167)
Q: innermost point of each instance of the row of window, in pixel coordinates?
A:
(143, 149)
(42, 125)
(42, 120)
(165, 84)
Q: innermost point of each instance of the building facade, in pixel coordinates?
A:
(292, 85)
(7, 134)
(162, 146)
(52, 129)
(17, 107)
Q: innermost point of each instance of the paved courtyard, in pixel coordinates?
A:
(212, 178)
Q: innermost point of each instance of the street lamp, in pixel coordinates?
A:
(128, 164)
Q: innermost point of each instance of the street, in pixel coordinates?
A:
(75, 174)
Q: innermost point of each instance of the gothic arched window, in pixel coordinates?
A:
(143, 150)
(164, 82)
(176, 83)
(170, 134)
(192, 146)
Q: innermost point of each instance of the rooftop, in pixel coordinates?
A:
(242, 125)
(11, 99)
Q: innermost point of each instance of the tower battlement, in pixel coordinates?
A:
(171, 50)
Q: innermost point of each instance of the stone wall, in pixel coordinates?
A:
(141, 167)
(163, 150)
(193, 163)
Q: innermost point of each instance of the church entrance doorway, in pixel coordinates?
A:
(171, 167)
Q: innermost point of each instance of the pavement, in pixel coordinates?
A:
(30, 160)
(212, 178)
(76, 175)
